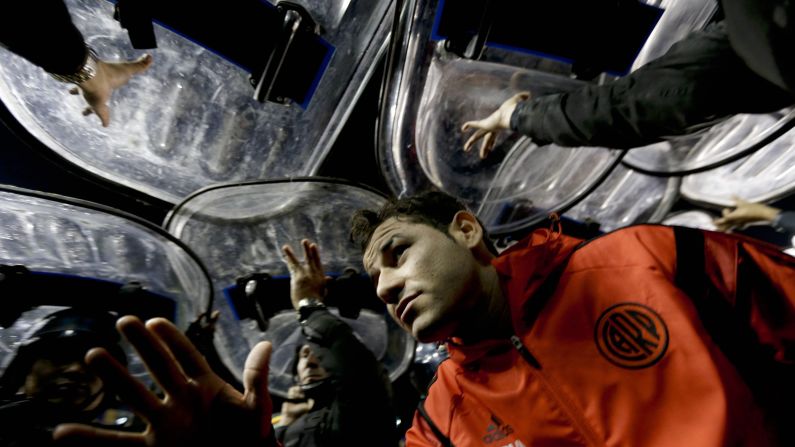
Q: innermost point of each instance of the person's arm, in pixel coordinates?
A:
(363, 395)
(700, 79)
(109, 76)
(363, 392)
(291, 411)
(346, 357)
(744, 213)
(43, 33)
(198, 408)
(487, 128)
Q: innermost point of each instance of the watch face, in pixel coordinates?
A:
(307, 306)
(310, 302)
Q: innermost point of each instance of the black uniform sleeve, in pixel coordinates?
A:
(43, 33)
(785, 221)
(362, 410)
(700, 79)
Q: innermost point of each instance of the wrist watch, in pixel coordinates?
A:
(308, 305)
(86, 72)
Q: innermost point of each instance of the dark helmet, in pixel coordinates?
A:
(67, 334)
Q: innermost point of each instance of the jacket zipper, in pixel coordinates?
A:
(568, 406)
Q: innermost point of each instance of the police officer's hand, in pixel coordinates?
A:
(198, 407)
(294, 410)
(487, 128)
(745, 213)
(110, 76)
(307, 279)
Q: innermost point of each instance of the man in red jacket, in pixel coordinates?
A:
(650, 335)
(647, 336)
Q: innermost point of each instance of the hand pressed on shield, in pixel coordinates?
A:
(307, 279)
(294, 410)
(199, 408)
(109, 77)
(487, 128)
(745, 213)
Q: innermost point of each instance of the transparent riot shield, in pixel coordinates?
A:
(691, 219)
(764, 176)
(712, 147)
(191, 119)
(679, 19)
(627, 197)
(238, 231)
(705, 220)
(436, 81)
(67, 264)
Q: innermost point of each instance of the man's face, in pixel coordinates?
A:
(428, 280)
(64, 382)
(309, 368)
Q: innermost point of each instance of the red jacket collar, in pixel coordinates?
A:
(525, 266)
(522, 268)
(465, 354)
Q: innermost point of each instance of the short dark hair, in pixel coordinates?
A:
(433, 208)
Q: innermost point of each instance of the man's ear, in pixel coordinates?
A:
(466, 229)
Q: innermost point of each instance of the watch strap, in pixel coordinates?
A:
(87, 71)
(307, 306)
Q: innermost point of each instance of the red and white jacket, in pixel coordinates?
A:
(648, 336)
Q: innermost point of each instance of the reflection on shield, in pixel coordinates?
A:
(58, 253)
(192, 120)
(238, 231)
